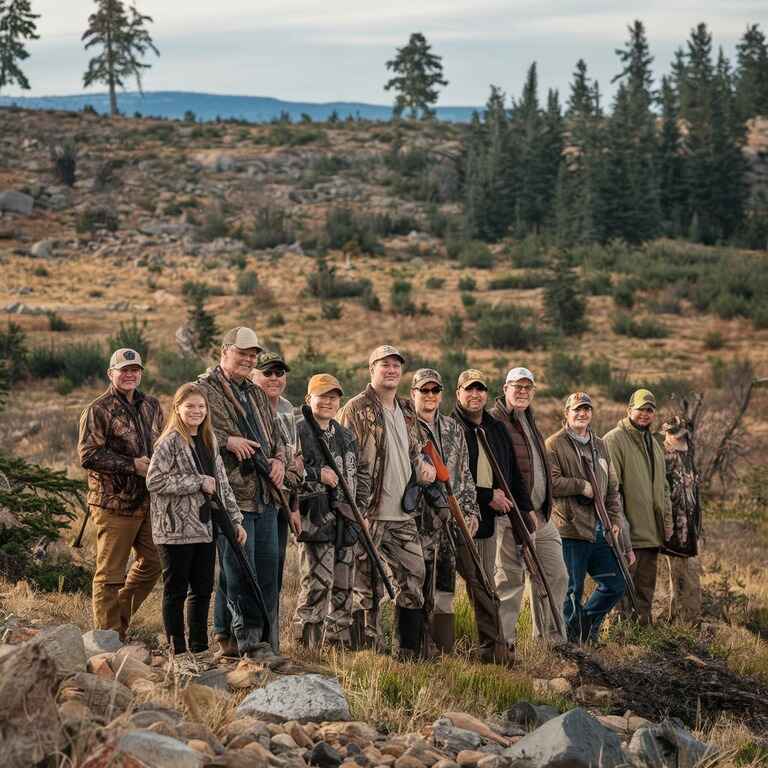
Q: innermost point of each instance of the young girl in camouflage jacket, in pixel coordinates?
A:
(185, 471)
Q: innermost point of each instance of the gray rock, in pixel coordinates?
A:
(16, 202)
(101, 641)
(43, 249)
(159, 751)
(64, 645)
(306, 698)
(214, 678)
(324, 756)
(572, 740)
(667, 745)
(451, 739)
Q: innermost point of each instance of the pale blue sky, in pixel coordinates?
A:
(336, 50)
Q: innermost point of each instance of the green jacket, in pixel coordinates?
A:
(642, 483)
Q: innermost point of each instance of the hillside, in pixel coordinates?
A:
(329, 240)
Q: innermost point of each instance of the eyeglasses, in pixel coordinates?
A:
(430, 390)
(523, 387)
(270, 372)
(476, 387)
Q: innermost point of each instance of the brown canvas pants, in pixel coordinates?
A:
(643, 573)
(679, 589)
(116, 597)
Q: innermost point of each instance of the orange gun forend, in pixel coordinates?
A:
(441, 471)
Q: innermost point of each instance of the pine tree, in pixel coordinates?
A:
(124, 41)
(564, 300)
(17, 25)
(752, 73)
(418, 73)
(670, 162)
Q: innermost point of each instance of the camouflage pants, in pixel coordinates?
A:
(398, 543)
(325, 593)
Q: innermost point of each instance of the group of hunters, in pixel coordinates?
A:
(383, 493)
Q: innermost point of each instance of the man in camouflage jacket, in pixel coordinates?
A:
(117, 432)
(384, 426)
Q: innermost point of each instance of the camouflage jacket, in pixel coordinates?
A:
(114, 432)
(174, 484)
(226, 416)
(686, 511)
(448, 437)
(364, 416)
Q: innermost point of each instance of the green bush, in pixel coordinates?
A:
(41, 272)
(714, 340)
(73, 363)
(597, 283)
(671, 387)
(131, 336)
(454, 329)
(564, 301)
(95, 218)
(247, 283)
(564, 373)
(330, 310)
(400, 297)
(275, 319)
(343, 226)
(271, 228)
(506, 326)
(214, 226)
(644, 328)
(64, 158)
(309, 362)
(434, 283)
(371, 301)
(525, 281)
(759, 314)
(476, 255)
(620, 387)
(467, 283)
(624, 294)
(14, 352)
(324, 284)
(468, 300)
(171, 369)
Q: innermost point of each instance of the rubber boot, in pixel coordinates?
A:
(443, 632)
(410, 629)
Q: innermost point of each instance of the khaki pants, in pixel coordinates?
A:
(117, 597)
(643, 573)
(679, 589)
(510, 580)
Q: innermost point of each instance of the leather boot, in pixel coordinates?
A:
(227, 647)
(443, 632)
(410, 629)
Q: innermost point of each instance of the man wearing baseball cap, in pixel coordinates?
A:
(639, 462)
(585, 547)
(513, 409)
(328, 530)
(117, 432)
(244, 423)
(384, 426)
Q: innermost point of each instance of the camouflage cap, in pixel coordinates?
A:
(124, 357)
(641, 397)
(385, 350)
(322, 383)
(242, 338)
(270, 360)
(423, 375)
(471, 376)
(577, 399)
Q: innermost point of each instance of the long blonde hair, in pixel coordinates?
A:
(175, 424)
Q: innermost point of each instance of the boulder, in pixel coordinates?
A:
(43, 249)
(454, 740)
(101, 641)
(16, 202)
(159, 751)
(324, 756)
(574, 739)
(667, 745)
(310, 697)
(64, 645)
(106, 699)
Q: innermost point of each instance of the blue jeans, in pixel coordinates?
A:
(236, 611)
(596, 559)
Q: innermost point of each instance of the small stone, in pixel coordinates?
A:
(452, 739)
(200, 746)
(387, 760)
(159, 751)
(299, 735)
(445, 764)
(469, 758)
(353, 749)
(255, 748)
(523, 713)
(128, 669)
(136, 651)
(282, 742)
(43, 249)
(595, 695)
(492, 761)
(373, 754)
(324, 755)
(392, 748)
(16, 202)
(101, 641)
(361, 760)
(557, 685)
(99, 665)
(74, 711)
(407, 761)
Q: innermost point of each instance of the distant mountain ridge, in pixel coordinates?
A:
(209, 106)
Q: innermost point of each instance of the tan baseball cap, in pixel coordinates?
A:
(578, 399)
(242, 338)
(322, 383)
(385, 350)
(124, 357)
(424, 375)
(471, 376)
(641, 397)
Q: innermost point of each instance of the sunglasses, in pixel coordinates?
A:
(476, 387)
(270, 372)
(430, 390)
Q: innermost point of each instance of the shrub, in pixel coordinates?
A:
(330, 310)
(131, 336)
(342, 226)
(564, 373)
(454, 329)
(525, 281)
(371, 301)
(644, 328)
(275, 319)
(189, 116)
(271, 228)
(468, 300)
(760, 317)
(309, 362)
(476, 255)
(324, 284)
(714, 340)
(670, 387)
(57, 323)
(73, 363)
(506, 326)
(620, 387)
(597, 283)
(64, 160)
(624, 294)
(96, 218)
(202, 324)
(14, 352)
(467, 283)
(400, 297)
(434, 283)
(171, 369)
(564, 301)
(214, 227)
(247, 283)
(41, 272)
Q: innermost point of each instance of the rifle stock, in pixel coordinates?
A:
(605, 521)
(521, 532)
(77, 542)
(376, 564)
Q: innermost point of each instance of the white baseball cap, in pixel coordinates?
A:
(516, 374)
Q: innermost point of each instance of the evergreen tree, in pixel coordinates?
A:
(670, 162)
(124, 41)
(564, 300)
(418, 73)
(752, 73)
(17, 25)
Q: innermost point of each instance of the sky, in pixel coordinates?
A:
(335, 50)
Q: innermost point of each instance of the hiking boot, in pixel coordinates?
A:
(443, 632)
(410, 630)
(263, 653)
(227, 647)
